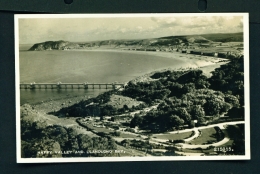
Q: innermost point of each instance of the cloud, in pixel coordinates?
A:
(89, 29)
(193, 22)
(199, 25)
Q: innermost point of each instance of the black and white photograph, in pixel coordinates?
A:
(132, 87)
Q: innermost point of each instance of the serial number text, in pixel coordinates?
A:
(223, 149)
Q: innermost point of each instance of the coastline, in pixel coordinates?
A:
(191, 62)
(44, 107)
(115, 68)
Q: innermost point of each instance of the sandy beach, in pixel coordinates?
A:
(191, 60)
(206, 63)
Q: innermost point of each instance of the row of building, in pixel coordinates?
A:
(223, 54)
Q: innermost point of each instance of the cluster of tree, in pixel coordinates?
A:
(166, 74)
(37, 137)
(229, 78)
(108, 110)
(176, 112)
(193, 96)
(168, 83)
(146, 91)
(237, 134)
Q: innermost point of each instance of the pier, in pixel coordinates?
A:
(60, 85)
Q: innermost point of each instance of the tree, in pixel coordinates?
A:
(191, 124)
(197, 111)
(201, 120)
(126, 107)
(183, 114)
(176, 89)
(136, 121)
(232, 100)
(188, 87)
(117, 133)
(175, 121)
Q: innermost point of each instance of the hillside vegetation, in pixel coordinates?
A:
(38, 139)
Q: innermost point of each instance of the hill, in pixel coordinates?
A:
(51, 45)
(153, 43)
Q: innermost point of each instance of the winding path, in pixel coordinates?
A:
(196, 134)
(196, 130)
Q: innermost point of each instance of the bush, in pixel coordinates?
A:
(116, 133)
(178, 141)
(130, 130)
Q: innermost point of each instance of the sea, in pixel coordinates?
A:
(83, 66)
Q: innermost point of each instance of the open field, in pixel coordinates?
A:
(119, 101)
(127, 135)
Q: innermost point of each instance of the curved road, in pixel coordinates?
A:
(191, 146)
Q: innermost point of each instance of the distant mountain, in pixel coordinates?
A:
(224, 37)
(204, 38)
(153, 42)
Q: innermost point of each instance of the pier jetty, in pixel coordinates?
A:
(60, 85)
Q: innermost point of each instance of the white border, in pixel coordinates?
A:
(247, 155)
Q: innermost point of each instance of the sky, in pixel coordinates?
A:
(36, 30)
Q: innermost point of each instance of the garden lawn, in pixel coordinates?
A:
(98, 129)
(207, 137)
(179, 136)
(126, 135)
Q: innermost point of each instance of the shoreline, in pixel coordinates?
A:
(175, 60)
(164, 54)
(190, 61)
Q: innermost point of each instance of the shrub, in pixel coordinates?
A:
(178, 141)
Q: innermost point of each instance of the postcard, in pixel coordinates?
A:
(132, 87)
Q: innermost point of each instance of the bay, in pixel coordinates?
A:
(102, 66)
(88, 66)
